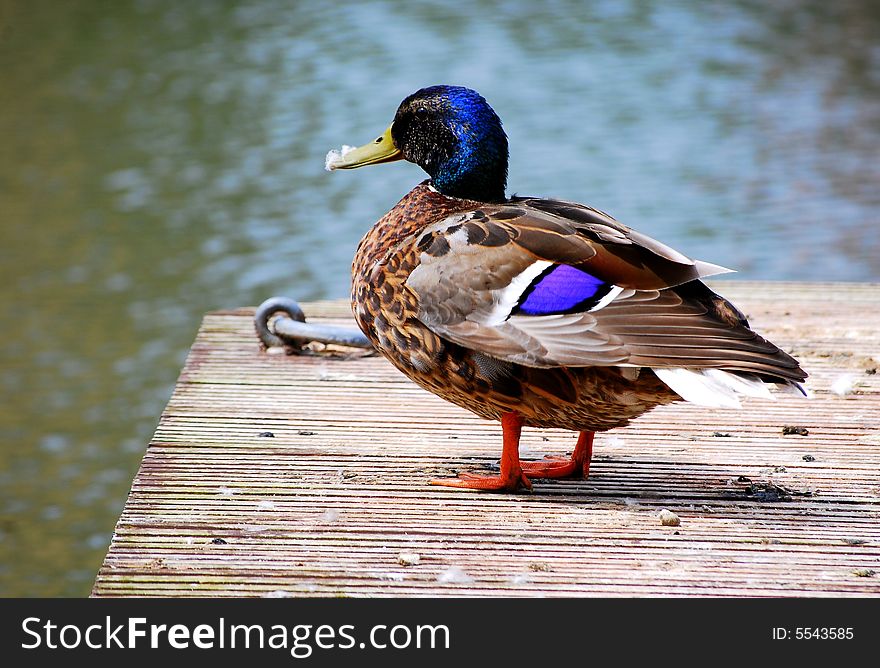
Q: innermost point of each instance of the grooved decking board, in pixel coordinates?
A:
(325, 507)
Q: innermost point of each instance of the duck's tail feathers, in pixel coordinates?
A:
(717, 388)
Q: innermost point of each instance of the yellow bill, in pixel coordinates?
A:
(382, 149)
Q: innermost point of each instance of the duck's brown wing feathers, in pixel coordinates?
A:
(547, 283)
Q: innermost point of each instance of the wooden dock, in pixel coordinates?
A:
(277, 475)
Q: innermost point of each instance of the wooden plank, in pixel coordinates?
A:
(327, 504)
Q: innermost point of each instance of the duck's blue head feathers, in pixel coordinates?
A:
(457, 138)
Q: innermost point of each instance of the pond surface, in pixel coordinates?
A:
(160, 159)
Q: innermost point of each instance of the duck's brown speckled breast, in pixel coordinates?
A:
(384, 308)
(387, 311)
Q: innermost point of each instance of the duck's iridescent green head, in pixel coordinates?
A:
(453, 134)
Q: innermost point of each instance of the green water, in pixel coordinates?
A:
(160, 159)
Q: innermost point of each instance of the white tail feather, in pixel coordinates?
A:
(747, 385)
(698, 388)
(705, 269)
(718, 388)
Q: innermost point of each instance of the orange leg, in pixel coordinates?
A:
(511, 477)
(559, 467)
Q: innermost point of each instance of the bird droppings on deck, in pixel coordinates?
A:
(454, 575)
(329, 516)
(770, 491)
(280, 593)
(844, 384)
(408, 558)
(540, 567)
(669, 518)
(355, 444)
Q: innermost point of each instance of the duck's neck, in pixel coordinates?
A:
(474, 165)
(467, 177)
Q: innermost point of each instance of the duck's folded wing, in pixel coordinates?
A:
(569, 286)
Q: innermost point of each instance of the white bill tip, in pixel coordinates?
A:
(334, 157)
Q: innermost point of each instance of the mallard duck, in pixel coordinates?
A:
(536, 312)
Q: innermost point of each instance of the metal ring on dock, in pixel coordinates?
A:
(292, 329)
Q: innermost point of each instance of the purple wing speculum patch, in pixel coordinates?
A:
(561, 289)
